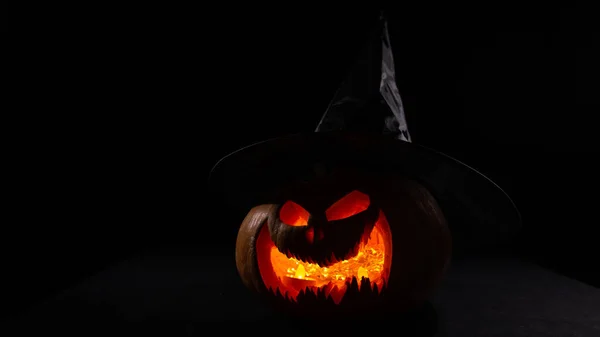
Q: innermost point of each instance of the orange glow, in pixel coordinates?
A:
(290, 276)
(368, 262)
(293, 214)
(351, 204)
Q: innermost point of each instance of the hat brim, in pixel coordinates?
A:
(478, 211)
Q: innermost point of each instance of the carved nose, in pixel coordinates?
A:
(320, 234)
(310, 234)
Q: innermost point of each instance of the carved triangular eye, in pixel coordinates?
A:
(351, 204)
(293, 214)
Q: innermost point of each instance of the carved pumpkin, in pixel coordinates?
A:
(327, 249)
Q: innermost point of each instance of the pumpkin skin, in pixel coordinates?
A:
(382, 246)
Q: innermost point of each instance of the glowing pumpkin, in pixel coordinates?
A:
(327, 249)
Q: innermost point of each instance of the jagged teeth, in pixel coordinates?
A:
(365, 237)
(335, 258)
(355, 250)
(332, 259)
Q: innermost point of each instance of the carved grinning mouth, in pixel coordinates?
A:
(293, 278)
(336, 258)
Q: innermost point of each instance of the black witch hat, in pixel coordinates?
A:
(365, 126)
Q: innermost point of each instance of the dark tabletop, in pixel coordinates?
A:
(199, 295)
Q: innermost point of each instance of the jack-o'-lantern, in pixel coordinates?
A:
(366, 234)
(324, 248)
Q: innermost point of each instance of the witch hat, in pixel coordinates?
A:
(365, 126)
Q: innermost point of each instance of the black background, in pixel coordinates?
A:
(137, 104)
